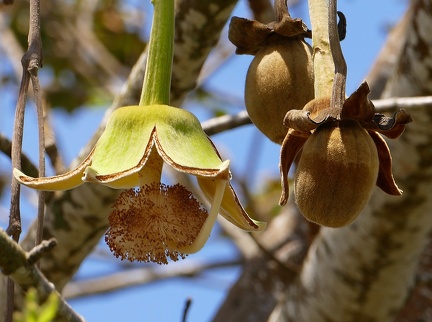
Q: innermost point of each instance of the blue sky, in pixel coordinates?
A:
(164, 301)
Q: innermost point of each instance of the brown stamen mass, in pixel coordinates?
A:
(150, 223)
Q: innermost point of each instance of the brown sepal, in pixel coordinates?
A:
(315, 113)
(290, 27)
(385, 178)
(391, 127)
(291, 146)
(358, 107)
(247, 35)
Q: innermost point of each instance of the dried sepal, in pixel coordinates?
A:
(391, 127)
(291, 146)
(385, 179)
(291, 27)
(357, 106)
(250, 36)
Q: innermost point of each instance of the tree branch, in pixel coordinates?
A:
(15, 263)
(139, 276)
(229, 122)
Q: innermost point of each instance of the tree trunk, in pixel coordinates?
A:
(364, 272)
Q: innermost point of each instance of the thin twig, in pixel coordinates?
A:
(33, 70)
(186, 309)
(39, 250)
(31, 59)
(286, 266)
(14, 228)
(13, 49)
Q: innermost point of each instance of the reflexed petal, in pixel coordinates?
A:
(183, 144)
(291, 146)
(64, 181)
(231, 208)
(358, 107)
(124, 141)
(385, 176)
(147, 171)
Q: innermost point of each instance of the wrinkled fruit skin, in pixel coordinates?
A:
(336, 173)
(280, 78)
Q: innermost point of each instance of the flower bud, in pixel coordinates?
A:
(280, 78)
(336, 173)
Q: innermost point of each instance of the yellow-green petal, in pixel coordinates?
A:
(184, 145)
(147, 171)
(64, 181)
(124, 141)
(231, 208)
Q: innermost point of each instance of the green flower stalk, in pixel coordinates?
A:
(156, 222)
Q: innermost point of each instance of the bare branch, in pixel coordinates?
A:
(33, 70)
(39, 250)
(228, 122)
(14, 263)
(26, 165)
(31, 61)
(139, 276)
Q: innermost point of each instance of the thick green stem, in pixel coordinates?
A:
(157, 78)
(322, 56)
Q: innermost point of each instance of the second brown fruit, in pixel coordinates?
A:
(280, 78)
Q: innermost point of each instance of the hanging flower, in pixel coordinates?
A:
(155, 222)
(343, 157)
(130, 153)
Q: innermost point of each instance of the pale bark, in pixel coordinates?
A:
(365, 271)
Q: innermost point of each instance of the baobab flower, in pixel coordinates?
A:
(130, 153)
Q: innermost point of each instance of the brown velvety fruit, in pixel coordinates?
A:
(336, 173)
(280, 78)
